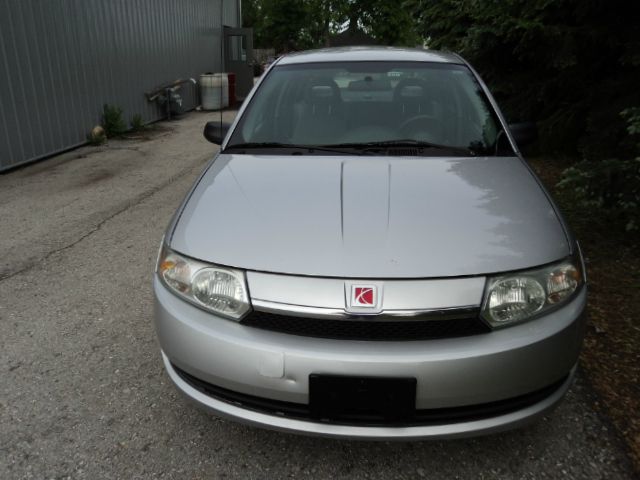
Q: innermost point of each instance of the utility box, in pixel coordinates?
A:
(214, 91)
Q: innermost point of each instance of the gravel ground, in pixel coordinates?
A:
(83, 393)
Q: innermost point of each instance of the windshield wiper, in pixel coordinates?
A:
(405, 143)
(310, 148)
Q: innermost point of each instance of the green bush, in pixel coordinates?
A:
(137, 123)
(112, 121)
(610, 185)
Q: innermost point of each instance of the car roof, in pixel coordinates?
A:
(369, 54)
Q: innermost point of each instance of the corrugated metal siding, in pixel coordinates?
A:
(61, 61)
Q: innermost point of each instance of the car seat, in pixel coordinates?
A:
(321, 118)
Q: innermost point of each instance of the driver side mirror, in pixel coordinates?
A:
(216, 131)
(524, 133)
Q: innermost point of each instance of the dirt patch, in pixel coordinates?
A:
(611, 357)
(95, 177)
(150, 132)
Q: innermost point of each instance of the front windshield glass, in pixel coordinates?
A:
(369, 104)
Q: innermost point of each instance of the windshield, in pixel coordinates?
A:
(435, 106)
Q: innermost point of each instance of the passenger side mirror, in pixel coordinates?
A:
(216, 131)
(524, 133)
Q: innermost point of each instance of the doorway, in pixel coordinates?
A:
(238, 48)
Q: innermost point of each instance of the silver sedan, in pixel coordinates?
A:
(369, 256)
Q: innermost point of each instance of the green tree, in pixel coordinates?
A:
(298, 24)
(323, 19)
(251, 11)
(278, 24)
(392, 23)
(571, 65)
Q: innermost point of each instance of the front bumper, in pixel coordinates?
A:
(454, 372)
(291, 425)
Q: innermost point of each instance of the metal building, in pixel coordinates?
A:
(61, 61)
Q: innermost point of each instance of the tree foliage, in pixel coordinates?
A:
(570, 65)
(298, 24)
(278, 24)
(390, 23)
(610, 184)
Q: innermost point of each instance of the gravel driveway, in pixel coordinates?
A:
(83, 393)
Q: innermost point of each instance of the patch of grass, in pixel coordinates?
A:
(112, 121)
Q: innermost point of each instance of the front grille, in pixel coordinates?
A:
(371, 328)
(421, 417)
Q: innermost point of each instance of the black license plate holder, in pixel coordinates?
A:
(353, 399)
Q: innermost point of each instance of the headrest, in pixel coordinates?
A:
(411, 91)
(410, 88)
(321, 92)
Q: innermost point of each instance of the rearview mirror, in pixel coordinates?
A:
(524, 133)
(216, 131)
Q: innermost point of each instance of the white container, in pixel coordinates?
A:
(214, 91)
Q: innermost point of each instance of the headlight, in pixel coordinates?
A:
(220, 290)
(517, 297)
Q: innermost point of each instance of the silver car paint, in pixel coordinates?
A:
(370, 217)
(369, 54)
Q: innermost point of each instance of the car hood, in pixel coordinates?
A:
(370, 217)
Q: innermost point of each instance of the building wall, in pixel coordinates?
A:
(62, 60)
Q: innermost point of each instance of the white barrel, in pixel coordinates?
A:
(214, 91)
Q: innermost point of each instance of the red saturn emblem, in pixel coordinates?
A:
(363, 296)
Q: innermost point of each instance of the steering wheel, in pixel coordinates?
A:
(427, 128)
